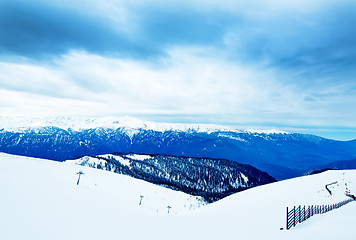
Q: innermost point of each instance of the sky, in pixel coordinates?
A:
(288, 65)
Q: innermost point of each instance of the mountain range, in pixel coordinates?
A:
(283, 155)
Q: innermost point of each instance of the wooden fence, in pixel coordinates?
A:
(300, 214)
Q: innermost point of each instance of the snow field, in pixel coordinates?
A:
(40, 200)
(261, 212)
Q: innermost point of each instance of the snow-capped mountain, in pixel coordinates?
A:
(281, 154)
(211, 179)
(22, 124)
(40, 200)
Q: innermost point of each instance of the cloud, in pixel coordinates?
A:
(39, 29)
(16, 103)
(195, 81)
(167, 26)
(293, 34)
(42, 30)
(183, 82)
(275, 63)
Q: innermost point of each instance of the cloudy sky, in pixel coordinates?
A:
(287, 65)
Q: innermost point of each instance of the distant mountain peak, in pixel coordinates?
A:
(20, 124)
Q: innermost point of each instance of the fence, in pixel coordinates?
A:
(300, 214)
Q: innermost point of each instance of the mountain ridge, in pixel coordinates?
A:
(283, 155)
(79, 124)
(211, 179)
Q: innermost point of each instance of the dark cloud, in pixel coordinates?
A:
(178, 25)
(37, 30)
(315, 44)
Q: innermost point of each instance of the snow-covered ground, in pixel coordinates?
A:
(39, 199)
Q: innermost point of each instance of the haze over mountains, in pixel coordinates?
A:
(281, 154)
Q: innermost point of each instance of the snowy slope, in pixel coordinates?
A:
(40, 200)
(211, 179)
(262, 210)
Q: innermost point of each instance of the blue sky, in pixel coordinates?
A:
(289, 65)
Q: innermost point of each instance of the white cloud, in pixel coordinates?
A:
(273, 62)
(189, 81)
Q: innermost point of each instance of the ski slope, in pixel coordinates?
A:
(40, 200)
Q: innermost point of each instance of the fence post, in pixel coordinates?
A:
(305, 213)
(300, 214)
(287, 219)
